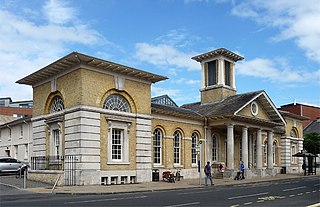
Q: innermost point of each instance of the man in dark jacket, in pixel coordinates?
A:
(207, 171)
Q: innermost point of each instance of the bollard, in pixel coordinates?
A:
(25, 178)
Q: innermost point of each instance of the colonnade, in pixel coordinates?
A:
(247, 153)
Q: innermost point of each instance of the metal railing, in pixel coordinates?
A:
(47, 163)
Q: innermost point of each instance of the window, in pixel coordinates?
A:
(293, 151)
(176, 147)
(214, 148)
(274, 145)
(212, 73)
(194, 141)
(227, 67)
(21, 131)
(157, 142)
(26, 151)
(117, 103)
(57, 104)
(56, 142)
(254, 108)
(16, 151)
(117, 144)
(293, 133)
(265, 151)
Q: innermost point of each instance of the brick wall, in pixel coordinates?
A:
(9, 111)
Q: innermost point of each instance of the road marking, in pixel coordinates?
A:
(184, 204)
(244, 196)
(12, 186)
(314, 205)
(314, 191)
(261, 201)
(205, 191)
(235, 205)
(316, 184)
(107, 199)
(307, 192)
(247, 203)
(294, 188)
(290, 182)
(300, 194)
(291, 196)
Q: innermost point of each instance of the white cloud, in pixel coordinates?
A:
(27, 45)
(165, 56)
(185, 81)
(295, 19)
(58, 12)
(158, 91)
(276, 70)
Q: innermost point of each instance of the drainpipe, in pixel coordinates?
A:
(10, 134)
(28, 142)
(205, 138)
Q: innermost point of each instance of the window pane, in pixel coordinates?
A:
(212, 73)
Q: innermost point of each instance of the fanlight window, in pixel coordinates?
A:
(293, 133)
(57, 104)
(117, 103)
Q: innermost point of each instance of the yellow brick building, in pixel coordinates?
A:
(100, 115)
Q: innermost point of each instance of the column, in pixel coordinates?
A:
(259, 150)
(245, 146)
(221, 80)
(250, 152)
(270, 150)
(230, 147)
(203, 75)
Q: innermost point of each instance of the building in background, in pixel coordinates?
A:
(18, 109)
(313, 112)
(16, 139)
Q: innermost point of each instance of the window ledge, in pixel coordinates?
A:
(194, 165)
(158, 166)
(177, 166)
(117, 163)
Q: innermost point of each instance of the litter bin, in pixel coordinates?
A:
(283, 170)
(155, 175)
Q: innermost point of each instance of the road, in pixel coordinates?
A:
(295, 192)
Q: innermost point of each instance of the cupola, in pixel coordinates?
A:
(217, 74)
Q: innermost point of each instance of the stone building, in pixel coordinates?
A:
(101, 114)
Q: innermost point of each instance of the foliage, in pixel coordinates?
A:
(311, 143)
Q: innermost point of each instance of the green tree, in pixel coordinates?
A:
(311, 143)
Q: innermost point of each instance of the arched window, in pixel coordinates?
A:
(56, 104)
(195, 139)
(157, 145)
(265, 151)
(293, 133)
(117, 103)
(214, 148)
(274, 147)
(176, 147)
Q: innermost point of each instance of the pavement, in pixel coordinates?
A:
(154, 186)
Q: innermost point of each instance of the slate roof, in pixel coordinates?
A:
(225, 107)
(314, 126)
(173, 110)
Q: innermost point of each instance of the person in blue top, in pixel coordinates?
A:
(207, 171)
(242, 169)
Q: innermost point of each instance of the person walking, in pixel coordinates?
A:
(207, 171)
(242, 169)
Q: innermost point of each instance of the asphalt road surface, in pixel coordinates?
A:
(294, 192)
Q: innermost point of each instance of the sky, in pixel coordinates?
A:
(280, 41)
